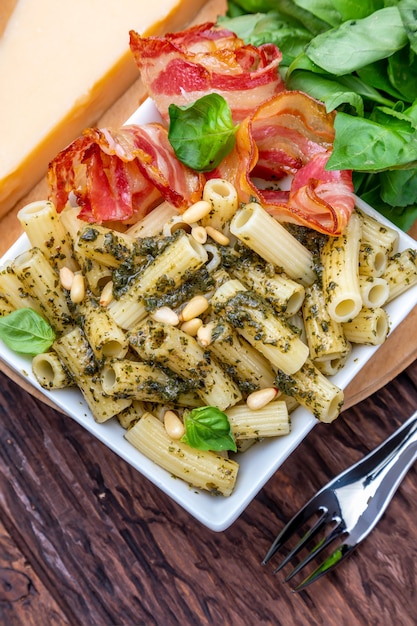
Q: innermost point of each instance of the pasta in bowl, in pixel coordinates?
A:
(129, 341)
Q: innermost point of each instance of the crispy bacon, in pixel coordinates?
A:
(181, 67)
(121, 174)
(291, 134)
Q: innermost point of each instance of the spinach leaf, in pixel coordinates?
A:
(260, 28)
(376, 75)
(329, 91)
(407, 9)
(325, 10)
(202, 133)
(26, 332)
(399, 187)
(402, 72)
(356, 43)
(208, 428)
(364, 145)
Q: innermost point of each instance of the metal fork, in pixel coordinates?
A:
(351, 504)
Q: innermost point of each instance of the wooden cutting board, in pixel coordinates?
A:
(393, 357)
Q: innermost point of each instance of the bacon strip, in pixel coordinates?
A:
(291, 134)
(181, 67)
(121, 174)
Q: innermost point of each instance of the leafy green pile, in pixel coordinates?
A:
(359, 57)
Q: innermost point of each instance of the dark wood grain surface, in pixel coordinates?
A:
(86, 540)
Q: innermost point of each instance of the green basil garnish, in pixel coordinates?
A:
(25, 331)
(208, 428)
(202, 133)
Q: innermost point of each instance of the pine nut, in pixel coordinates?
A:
(199, 233)
(191, 327)
(173, 425)
(196, 211)
(66, 276)
(77, 292)
(205, 334)
(166, 315)
(107, 294)
(260, 398)
(195, 307)
(217, 236)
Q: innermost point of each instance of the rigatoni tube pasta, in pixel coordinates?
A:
(272, 420)
(182, 256)
(41, 223)
(200, 468)
(75, 353)
(173, 348)
(340, 259)
(370, 326)
(313, 391)
(50, 372)
(325, 336)
(137, 380)
(42, 283)
(257, 322)
(262, 233)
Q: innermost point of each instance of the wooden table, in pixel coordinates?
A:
(86, 540)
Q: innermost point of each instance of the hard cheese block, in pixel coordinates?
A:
(61, 66)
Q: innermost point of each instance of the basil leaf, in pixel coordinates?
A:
(25, 331)
(202, 133)
(208, 428)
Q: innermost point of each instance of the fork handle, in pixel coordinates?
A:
(384, 469)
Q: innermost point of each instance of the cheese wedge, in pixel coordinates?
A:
(61, 66)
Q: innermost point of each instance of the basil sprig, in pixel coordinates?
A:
(202, 133)
(208, 428)
(25, 331)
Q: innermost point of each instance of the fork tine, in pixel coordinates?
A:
(336, 532)
(330, 563)
(312, 532)
(290, 528)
